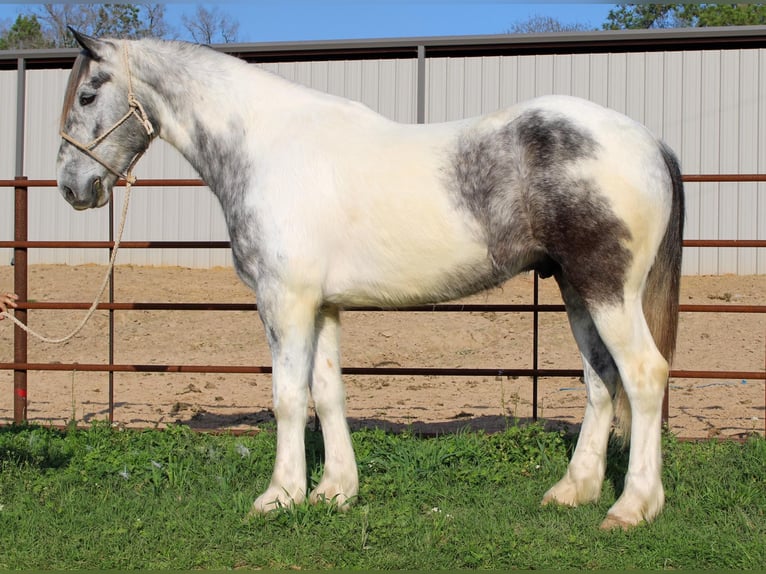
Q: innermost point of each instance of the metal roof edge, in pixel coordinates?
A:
(621, 40)
(668, 35)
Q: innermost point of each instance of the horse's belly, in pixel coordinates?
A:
(408, 273)
(403, 238)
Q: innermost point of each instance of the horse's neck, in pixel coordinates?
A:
(205, 107)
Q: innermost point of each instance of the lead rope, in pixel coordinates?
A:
(104, 283)
(135, 109)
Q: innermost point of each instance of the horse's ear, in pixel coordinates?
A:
(93, 47)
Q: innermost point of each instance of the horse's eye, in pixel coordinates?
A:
(86, 99)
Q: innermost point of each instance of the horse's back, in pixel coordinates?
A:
(434, 212)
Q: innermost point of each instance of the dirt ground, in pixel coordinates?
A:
(698, 407)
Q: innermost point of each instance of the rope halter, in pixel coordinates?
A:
(135, 109)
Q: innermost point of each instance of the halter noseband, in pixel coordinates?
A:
(134, 109)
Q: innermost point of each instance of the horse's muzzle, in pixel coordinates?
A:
(96, 198)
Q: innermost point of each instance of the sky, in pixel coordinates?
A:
(305, 20)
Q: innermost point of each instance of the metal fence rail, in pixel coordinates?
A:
(21, 367)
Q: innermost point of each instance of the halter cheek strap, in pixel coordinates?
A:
(134, 109)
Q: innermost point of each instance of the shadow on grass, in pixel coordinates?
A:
(205, 421)
(24, 444)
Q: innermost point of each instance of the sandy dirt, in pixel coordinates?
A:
(698, 407)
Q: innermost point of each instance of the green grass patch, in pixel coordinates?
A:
(102, 498)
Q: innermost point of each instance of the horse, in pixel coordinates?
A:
(329, 205)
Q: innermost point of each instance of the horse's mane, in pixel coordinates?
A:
(79, 69)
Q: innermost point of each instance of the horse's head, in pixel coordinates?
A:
(104, 128)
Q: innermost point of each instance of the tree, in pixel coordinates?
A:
(731, 14)
(118, 20)
(47, 25)
(632, 16)
(25, 33)
(154, 20)
(115, 20)
(50, 22)
(211, 26)
(539, 24)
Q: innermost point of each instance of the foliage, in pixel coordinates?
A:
(636, 16)
(25, 33)
(103, 498)
(47, 25)
(116, 20)
(119, 21)
(743, 14)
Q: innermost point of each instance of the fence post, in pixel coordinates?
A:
(111, 315)
(420, 103)
(535, 343)
(20, 286)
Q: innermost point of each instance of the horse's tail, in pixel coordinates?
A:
(661, 294)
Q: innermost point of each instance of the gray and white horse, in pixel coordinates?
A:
(328, 205)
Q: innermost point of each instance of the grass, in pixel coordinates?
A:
(102, 498)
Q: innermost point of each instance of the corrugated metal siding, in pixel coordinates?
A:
(170, 213)
(48, 218)
(760, 123)
(8, 157)
(386, 86)
(710, 106)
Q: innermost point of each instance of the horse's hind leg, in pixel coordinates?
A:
(644, 372)
(585, 474)
(340, 480)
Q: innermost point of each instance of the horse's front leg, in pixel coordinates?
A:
(289, 318)
(340, 480)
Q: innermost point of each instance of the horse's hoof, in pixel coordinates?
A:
(334, 496)
(564, 493)
(613, 522)
(568, 493)
(274, 499)
(556, 497)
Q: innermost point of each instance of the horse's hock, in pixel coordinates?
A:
(699, 408)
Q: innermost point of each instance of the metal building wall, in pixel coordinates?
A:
(156, 214)
(387, 86)
(7, 157)
(710, 106)
(169, 213)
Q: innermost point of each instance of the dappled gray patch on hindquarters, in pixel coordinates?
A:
(518, 184)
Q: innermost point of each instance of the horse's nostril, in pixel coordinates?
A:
(68, 193)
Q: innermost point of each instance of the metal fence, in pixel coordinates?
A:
(699, 90)
(21, 367)
(715, 75)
